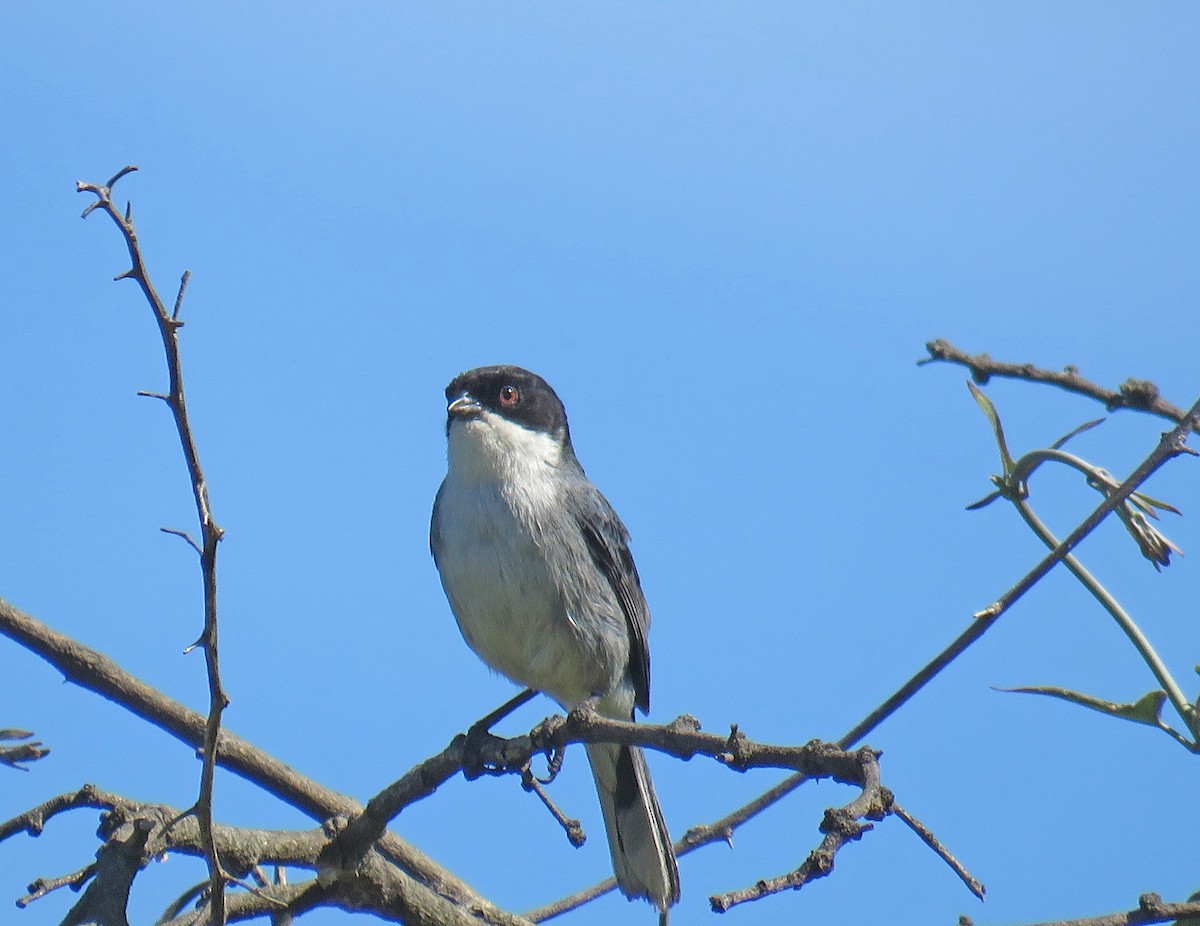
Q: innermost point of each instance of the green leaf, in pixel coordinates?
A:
(1086, 426)
(1145, 709)
(985, 501)
(994, 417)
(1144, 500)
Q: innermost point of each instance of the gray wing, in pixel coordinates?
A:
(608, 543)
(435, 533)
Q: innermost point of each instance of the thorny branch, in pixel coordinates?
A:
(681, 738)
(840, 827)
(340, 851)
(210, 533)
(425, 884)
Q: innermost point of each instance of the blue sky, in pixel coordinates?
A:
(723, 233)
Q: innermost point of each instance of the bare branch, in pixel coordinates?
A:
(840, 827)
(974, 886)
(1137, 394)
(33, 821)
(375, 885)
(570, 825)
(681, 738)
(1150, 909)
(369, 890)
(210, 532)
(96, 672)
(43, 886)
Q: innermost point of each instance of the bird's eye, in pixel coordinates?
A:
(509, 396)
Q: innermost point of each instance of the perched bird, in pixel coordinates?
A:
(537, 569)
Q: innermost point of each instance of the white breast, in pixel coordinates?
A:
(503, 582)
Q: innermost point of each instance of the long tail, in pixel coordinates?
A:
(642, 857)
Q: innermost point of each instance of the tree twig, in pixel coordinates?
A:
(1136, 394)
(43, 886)
(33, 821)
(975, 887)
(571, 827)
(1151, 908)
(840, 827)
(210, 532)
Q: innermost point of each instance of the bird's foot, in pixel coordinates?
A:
(481, 748)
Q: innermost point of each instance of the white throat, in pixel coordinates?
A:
(493, 449)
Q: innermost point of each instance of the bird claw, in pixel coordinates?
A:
(480, 745)
(554, 764)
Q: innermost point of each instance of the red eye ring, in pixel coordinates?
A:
(509, 396)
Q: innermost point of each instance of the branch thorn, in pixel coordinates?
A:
(183, 282)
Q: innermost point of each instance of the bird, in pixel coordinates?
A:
(535, 564)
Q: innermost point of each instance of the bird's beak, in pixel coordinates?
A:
(465, 406)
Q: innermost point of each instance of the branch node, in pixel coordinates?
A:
(735, 755)
(1152, 904)
(684, 723)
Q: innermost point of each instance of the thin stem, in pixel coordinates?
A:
(1025, 466)
(1124, 621)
